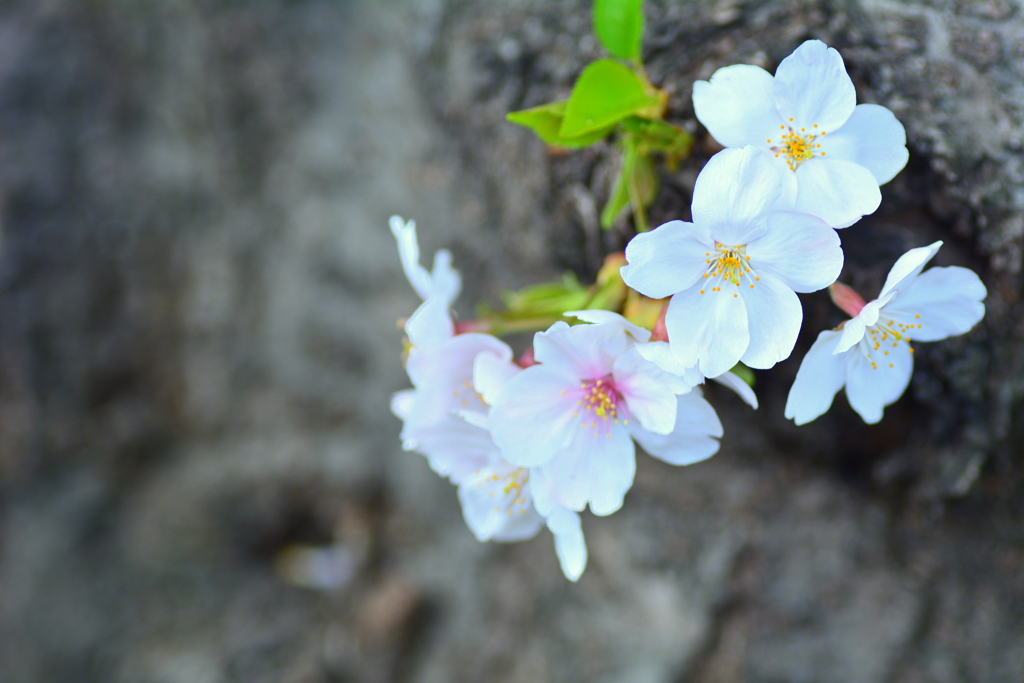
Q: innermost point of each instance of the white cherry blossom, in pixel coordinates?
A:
(573, 417)
(498, 499)
(832, 153)
(445, 416)
(871, 354)
(733, 273)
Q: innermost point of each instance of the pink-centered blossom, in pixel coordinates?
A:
(574, 416)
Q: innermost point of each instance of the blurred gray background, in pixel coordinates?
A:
(198, 306)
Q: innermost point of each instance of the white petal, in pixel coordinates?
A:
(660, 353)
(519, 526)
(570, 545)
(666, 260)
(820, 376)
(812, 87)
(799, 249)
(744, 390)
(443, 376)
(909, 266)
(477, 419)
(708, 330)
(586, 350)
(948, 301)
(737, 105)
(454, 448)
(401, 403)
(598, 467)
(870, 389)
(445, 281)
(491, 373)
(608, 317)
(854, 329)
(873, 138)
(649, 392)
(733, 194)
(693, 439)
(532, 418)
(839, 192)
(774, 316)
(543, 496)
(431, 324)
(409, 254)
(496, 511)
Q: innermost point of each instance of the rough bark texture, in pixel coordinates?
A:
(198, 295)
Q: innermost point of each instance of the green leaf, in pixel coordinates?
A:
(619, 25)
(546, 120)
(606, 92)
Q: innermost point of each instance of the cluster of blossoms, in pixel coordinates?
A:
(535, 442)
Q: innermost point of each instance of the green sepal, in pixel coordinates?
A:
(744, 373)
(636, 185)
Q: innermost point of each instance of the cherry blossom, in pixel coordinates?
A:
(733, 273)
(871, 354)
(445, 417)
(831, 152)
(574, 416)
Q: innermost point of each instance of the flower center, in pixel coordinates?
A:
(885, 337)
(600, 398)
(509, 490)
(468, 397)
(796, 146)
(728, 266)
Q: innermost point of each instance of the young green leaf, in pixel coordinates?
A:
(546, 120)
(619, 25)
(606, 92)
